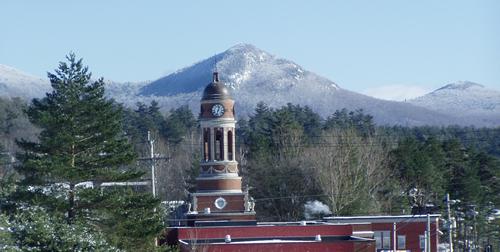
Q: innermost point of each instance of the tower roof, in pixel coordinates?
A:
(216, 89)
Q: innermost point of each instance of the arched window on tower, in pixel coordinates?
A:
(206, 144)
(219, 144)
(230, 146)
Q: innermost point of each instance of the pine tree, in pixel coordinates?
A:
(81, 141)
(33, 229)
(178, 124)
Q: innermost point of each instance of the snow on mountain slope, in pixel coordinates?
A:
(15, 83)
(254, 75)
(243, 67)
(126, 92)
(463, 99)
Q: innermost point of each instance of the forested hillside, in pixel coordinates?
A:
(291, 157)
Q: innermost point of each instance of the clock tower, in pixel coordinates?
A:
(219, 196)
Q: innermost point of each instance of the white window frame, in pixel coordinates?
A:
(401, 242)
(383, 239)
(421, 239)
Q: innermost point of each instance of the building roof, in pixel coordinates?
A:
(381, 218)
(289, 239)
(215, 90)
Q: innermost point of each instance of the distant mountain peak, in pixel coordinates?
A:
(243, 47)
(241, 67)
(465, 99)
(460, 85)
(245, 52)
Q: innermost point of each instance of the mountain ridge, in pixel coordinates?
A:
(16, 83)
(460, 85)
(254, 75)
(464, 99)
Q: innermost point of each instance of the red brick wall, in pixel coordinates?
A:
(234, 203)
(219, 184)
(191, 233)
(412, 230)
(263, 231)
(288, 247)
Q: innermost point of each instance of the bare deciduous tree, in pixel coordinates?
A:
(349, 169)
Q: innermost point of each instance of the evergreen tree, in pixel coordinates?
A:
(307, 118)
(179, 124)
(419, 165)
(81, 138)
(344, 119)
(81, 141)
(488, 171)
(33, 229)
(464, 182)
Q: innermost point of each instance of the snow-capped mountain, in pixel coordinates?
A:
(15, 83)
(464, 99)
(254, 75)
(242, 67)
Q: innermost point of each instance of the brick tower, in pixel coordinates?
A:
(219, 197)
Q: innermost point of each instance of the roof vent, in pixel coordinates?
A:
(317, 237)
(206, 210)
(227, 239)
(303, 223)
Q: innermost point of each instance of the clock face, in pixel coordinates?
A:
(218, 110)
(220, 203)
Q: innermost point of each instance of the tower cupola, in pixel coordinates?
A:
(216, 89)
(219, 195)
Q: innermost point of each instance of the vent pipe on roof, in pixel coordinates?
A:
(317, 237)
(227, 239)
(207, 210)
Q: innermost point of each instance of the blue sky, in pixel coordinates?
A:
(365, 46)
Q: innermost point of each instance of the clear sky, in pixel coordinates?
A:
(365, 46)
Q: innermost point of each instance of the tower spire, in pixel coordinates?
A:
(215, 77)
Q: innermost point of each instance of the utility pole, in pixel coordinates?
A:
(466, 245)
(428, 241)
(450, 223)
(152, 156)
(151, 142)
(426, 247)
(394, 236)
